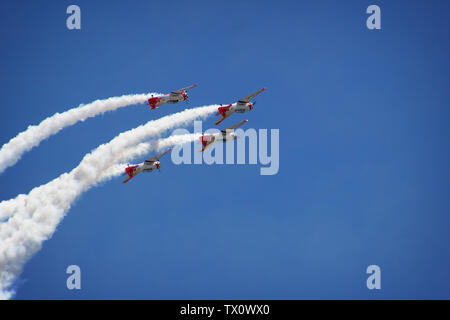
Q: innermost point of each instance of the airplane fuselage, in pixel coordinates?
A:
(235, 107)
(241, 108)
(149, 166)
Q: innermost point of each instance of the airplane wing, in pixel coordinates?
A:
(127, 179)
(234, 126)
(251, 96)
(183, 89)
(154, 158)
(223, 117)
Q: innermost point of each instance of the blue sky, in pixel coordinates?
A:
(363, 119)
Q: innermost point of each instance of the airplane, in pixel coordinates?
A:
(146, 166)
(224, 135)
(173, 97)
(241, 106)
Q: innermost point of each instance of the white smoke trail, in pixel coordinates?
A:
(12, 151)
(34, 217)
(8, 207)
(144, 148)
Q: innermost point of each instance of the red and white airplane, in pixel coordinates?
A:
(147, 166)
(173, 97)
(241, 106)
(224, 135)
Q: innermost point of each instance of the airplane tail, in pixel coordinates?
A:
(127, 179)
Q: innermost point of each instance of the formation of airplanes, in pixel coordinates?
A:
(227, 134)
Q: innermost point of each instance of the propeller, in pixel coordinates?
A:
(186, 98)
